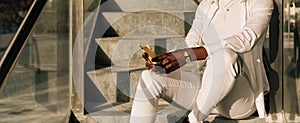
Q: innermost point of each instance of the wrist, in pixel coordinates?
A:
(187, 55)
(194, 54)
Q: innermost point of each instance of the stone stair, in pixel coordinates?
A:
(163, 25)
(140, 5)
(120, 113)
(125, 51)
(150, 22)
(116, 83)
(128, 23)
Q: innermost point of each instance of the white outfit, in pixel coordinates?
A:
(234, 80)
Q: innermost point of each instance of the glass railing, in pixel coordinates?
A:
(291, 62)
(38, 87)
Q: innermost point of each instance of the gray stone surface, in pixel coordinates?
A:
(116, 83)
(120, 113)
(23, 109)
(31, 97)
(126, 22)
(138, 5)
(126, 51)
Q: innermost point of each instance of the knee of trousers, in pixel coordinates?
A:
(149, 87)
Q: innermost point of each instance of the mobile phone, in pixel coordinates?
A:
(149, 51)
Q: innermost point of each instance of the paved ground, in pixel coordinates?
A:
(25, 109)
(33, 97)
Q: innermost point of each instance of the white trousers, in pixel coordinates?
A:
(222, 87)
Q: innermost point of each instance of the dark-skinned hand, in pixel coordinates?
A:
(171, 61)
(168, 62)
(156, 68)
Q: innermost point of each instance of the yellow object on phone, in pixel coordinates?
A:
(149, 51)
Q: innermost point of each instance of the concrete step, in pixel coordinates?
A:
(120, 113)
(148, 22)
(116, 83)
(167, 113)
(23, 108)
(139, 5)
(213, 118)
(126, 51)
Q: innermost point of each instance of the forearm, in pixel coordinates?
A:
(197, 53)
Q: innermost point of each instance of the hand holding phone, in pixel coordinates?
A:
(147, 49)
(150, 54)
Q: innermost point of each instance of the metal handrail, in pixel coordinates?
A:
(19, 40)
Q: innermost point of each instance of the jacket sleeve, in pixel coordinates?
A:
(193, 38)
(258, 17)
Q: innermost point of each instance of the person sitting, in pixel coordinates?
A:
(228, 36)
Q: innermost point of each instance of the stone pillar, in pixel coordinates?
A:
(76, 22)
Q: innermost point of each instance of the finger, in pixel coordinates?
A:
(165, 62)
(148, 64)
(160, 58)
(171, 69)
(168, 63)
(145, 55)
(168, 66)
(172, 66)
